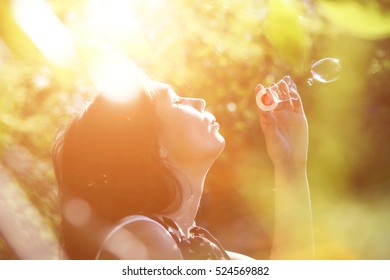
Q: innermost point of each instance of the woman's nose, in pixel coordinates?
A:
(198, 103)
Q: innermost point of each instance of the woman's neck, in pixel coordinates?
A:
(192, 182)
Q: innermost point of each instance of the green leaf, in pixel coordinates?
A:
(361, 20)
(285, 32)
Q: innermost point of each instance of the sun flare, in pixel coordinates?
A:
(115, 76)
(45, 30)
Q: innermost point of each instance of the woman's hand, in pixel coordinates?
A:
(286, 131)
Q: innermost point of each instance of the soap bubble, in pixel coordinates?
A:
(325, 70)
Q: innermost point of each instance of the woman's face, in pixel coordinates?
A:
(188, 134)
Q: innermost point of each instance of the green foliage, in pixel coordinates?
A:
(286, 33)
(363, 20)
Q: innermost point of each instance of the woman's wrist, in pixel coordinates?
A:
(290, 170)
(293, 176)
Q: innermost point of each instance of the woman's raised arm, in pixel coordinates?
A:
(286, 135)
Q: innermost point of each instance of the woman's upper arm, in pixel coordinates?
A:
(140, 240)
(238, 256)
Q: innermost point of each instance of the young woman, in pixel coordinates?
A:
(131, 177)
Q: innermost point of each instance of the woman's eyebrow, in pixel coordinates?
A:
(171, 94)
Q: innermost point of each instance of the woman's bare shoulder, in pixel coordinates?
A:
(139, 239)
(238, 256)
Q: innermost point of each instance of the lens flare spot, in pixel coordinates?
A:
(77, 212)
(232, 107)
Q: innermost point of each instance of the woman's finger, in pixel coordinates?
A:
(284, 96)
(297, 102)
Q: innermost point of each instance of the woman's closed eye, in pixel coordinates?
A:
(178, 101)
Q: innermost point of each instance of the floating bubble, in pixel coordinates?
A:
(325, 70)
